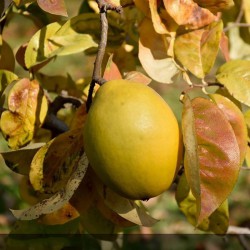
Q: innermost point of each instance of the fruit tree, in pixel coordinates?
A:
(152, 96)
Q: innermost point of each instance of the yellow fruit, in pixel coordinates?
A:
(131, 138)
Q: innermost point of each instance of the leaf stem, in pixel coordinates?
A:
(96, 77)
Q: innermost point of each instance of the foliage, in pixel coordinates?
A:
(188, 44)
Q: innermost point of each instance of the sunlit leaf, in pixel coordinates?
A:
(27, 109)
(54, 163)
(197, 50)
(159, 26)
(246, 10)
(188, 13)
(217, 222)
(70, 44)
(39, 48)
(19, 160)
(7, 59)
(215, 5)
(212, 156)
(56, 201)
(89, 23)
(6, 77)
(239, 49)
(153, 54)
(56, 7)
(235, 76)
(236, 119)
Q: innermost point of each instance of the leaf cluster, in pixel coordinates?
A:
(185, 43)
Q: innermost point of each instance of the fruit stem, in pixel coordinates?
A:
(96, 77)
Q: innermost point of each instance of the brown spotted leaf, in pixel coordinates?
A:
(197, 50)
(212, 156)
(188, 13)
(27, 109)
(56, 7)
(59, 199)
(236, 119)
(54, 163)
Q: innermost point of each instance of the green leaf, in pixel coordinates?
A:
(239, 49)
(56, 40)
(56, 7)
(19, 160)
(153, 54)
(54, 163)
(198, 49)
(236, 119)
(217, 222)
(39, 48)
(212, 156)
(235, 76)
(27, 109)
(89, 23)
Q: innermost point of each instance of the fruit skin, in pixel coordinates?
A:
(131, 138)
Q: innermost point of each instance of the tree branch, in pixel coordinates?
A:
(96, 77)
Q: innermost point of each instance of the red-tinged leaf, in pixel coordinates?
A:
(56, 7)
(111, 71)
(153, 54)
(224, 46)
(212, 156)
(136, 76)
(236, 119)
(27, 109)
(188, 13)
(197, 50)
(215, 5)
(159, 26)
(217, 222)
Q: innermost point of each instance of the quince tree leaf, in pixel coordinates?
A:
(19, 160)
(235, 76)
(217, 222)
(6, 77)
(27, 109)
(55, 7)
(236, 119)
(188, 13)
(7, 58)
(212, 155)
(153, 54)
(60, 198)
(55, 162)
(197, 49)
(215, 5)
